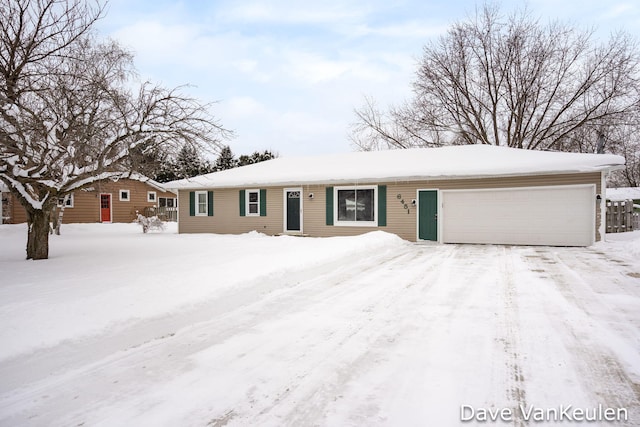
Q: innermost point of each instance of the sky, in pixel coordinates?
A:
(286, 76)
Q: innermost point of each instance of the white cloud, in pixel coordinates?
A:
(410, 29)
(153, 38)
(275, 11)
(314, 68)
(620, 10)
(243, 106)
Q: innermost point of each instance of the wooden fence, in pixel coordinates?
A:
(621, 217)
(165, 213)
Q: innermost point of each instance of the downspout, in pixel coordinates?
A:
(602, 229)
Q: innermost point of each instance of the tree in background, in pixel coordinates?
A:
(256, 157)
(511, 81)
(189, 162)
(226, 160)
(68, 114)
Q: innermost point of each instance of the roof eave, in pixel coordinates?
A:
(380, 179)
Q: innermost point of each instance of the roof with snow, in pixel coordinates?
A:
(155, 184)
(464, 161)
(623, 193)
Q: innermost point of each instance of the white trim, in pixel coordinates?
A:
(246, 202)
(338, 223)
(439, 205)
(110, 208)
(128, 199)
(70, 200)
(206, 203)
(175, 201)
(534, 187)
(155, 197)
(284, 196)
(602, 229)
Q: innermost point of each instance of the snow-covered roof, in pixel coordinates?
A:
(623, 193)
(3, 188)
(155, 184)
(465, 161)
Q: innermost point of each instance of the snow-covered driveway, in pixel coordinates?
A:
(382, 332)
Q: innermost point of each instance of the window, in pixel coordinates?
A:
(166, 202)
(69, 201)
(201, 203)
(125, 195)
(253, 202)
(151, 196)
(356, 206)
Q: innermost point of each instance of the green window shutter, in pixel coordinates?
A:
(210, 203)
(192, 203)
(242, 202)
(329, 205)
(382, 205)
(263, 202)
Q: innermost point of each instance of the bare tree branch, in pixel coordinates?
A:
(509, 80)
(68, 114)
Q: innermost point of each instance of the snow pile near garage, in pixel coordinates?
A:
(626, 243)
(463, 161)
(102, 275)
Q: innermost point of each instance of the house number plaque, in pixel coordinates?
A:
(402, 202)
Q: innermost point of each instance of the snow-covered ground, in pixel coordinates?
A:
(121, 328)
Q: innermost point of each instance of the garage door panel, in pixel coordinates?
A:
(561, 216)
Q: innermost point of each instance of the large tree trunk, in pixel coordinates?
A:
(38, 234)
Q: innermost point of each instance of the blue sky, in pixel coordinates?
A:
(287, 75)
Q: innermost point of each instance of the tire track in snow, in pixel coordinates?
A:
(200, 329)
(515, 380)
(372, 326)
(577, 278)
(443, 282)
(134, 334)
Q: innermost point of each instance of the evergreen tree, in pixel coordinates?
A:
(226, 160)
(188, 163)
(256, 157)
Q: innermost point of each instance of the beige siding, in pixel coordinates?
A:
(226, 217)
(400, 220)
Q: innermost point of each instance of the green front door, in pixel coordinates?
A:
(293, 210)
(428, 215)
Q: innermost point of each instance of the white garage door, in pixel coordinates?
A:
(555, 216)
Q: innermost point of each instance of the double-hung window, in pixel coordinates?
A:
(201, 203)
(356, 205)
(253, 202)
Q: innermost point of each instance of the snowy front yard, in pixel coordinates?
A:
(119, 328)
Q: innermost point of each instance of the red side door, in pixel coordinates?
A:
(105, 207)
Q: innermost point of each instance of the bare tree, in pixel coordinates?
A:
(623, 138)
(69, 115)
(508, 81)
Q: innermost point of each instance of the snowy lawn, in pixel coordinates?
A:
(121, 328)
